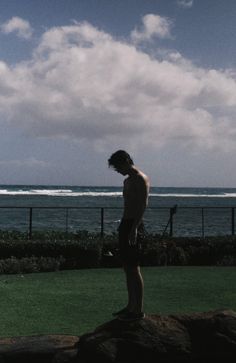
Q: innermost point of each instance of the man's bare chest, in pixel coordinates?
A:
(129, 191)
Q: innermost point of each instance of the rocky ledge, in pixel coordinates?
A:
(193, 338)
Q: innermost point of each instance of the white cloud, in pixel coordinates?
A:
(17, 25)
(153, 26)
(85, 85)
(185, 3)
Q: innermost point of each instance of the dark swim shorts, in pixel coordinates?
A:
(129, 254)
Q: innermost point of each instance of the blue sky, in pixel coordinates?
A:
(81, 79)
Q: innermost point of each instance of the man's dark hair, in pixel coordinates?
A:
(118, 158)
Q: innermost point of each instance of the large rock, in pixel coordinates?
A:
(38, 349)
(200, 337)
(193, 338)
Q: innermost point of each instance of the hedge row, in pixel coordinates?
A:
(82, 250)
(24, 265)
(182, 251)
(54, 251)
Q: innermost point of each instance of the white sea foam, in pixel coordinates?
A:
(39, 191)
(87, 193)
(59, 193)
(179, 195)
(230, 195)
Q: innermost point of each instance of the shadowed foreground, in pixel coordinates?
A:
(193, 338)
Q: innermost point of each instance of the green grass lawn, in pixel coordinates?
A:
(75, 302)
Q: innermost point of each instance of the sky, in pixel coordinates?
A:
(80, 79)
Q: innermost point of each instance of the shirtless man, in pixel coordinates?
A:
(135, 193)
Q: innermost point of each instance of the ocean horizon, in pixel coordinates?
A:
(76, 208)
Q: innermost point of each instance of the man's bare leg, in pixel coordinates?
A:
(135, 287)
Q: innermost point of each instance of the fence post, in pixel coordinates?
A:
(102, 222)
(232, 218)
(171, 223)
(30, 222)
(66, 221)
(173, 210)
(203, 224)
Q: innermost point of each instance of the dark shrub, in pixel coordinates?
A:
(32, 264)
(87, 250)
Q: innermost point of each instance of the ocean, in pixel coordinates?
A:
(200, 211)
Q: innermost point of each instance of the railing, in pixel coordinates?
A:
(169, 222)
(31, 208)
